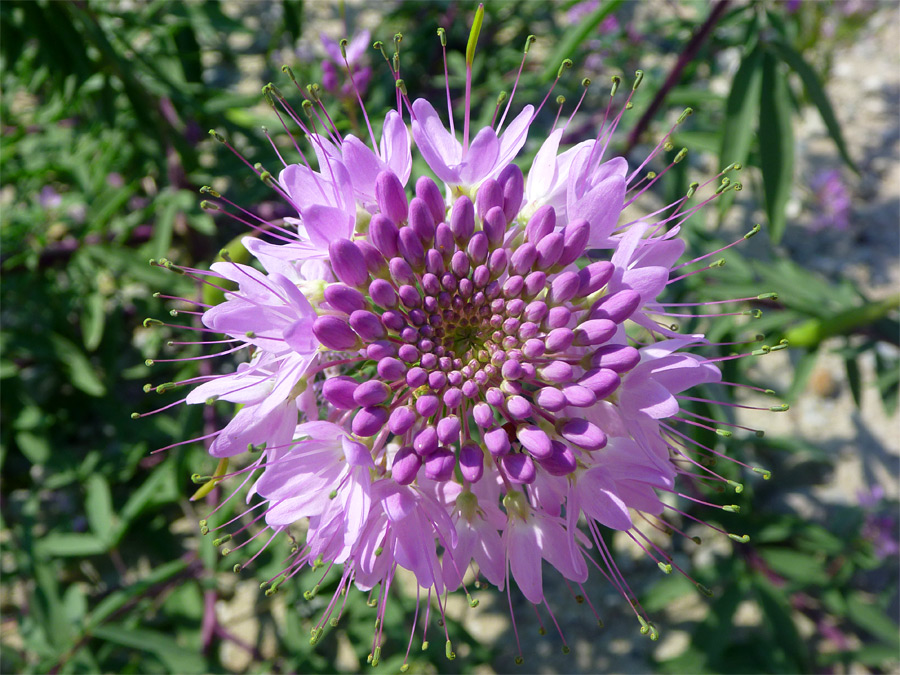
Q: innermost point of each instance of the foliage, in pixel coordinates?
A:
(103, 151)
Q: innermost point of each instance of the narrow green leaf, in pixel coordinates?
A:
(802, 568)
(576, 35)
(178, 659)
(776, 144)
(871, 618)
(160, 488)
(802, 372)
(741, 111)
(98, 507)
(854, 380)
(117, 599)
(778, 618)
(93, 320)
(65, 544)
(81, 372)
(817, 95)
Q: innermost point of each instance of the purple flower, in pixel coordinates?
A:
(832, 200)
(483, 386)
(334, 63)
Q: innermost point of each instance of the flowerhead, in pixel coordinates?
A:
(450, 375)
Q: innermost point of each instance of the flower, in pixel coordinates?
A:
(489, 355)
(355, 56)
(832, 200)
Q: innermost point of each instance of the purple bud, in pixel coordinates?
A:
(497, 263)
(460, 264)
(409, 296)
(383, 294)
(371, 393)
(561, 461)
(484, 415)
(380, 349)
(478, 249)
(334, 333)
(411, 248)
(563, 288)
(369, 421)
(480, 278)
(489, 196)
(513, 286)
(405, 465)
(375, 262)
(549, 250)
(594, 277)
(462, 220)
(523, 258)
(533, 348)
(559, 339)
(519, 468)
(344, 299)
(428, 191)
(513, 183)
(443, 240)
(448, 429)
(408, 334)
(391, 197)
(575, 236)
(542, 223)
(582, 433)
(401, 272)
(550, 398)
(348, 262)
(408, 353)
(535, 282)
(511, 370)
(428, 405)
(578, 396)
(383, 235)
(535, 311)
(390, 369)
(393, 321)
(556, 372)
(518, 407)
(617, 306)
(558, 317)
(535, 441)
(496, 441)
(471, 462)
(601, 381)
(437, 380)
(594, 332)
(421, 220)
(465, 285)
(431, 284)
(470, 388)
(453, 398)
(515, 307)
(426, 441)
(494, 225)
(338, 391)
(401, 420)
(367, 325)
(439, 465)
(416, 377)
(618, 358)
(494, 396)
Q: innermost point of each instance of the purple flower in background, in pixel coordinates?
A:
(880, 526)
(448, 377)
(334, 68)
(49, 198)
(832, 200)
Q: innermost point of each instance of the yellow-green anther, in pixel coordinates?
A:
(237, 568)
(784, 407)
(398, 38)
(149, 362)
(629, 105)
(379, 45)
(333, 622)
(147, 388)
(724, 433)
(723, 186)
(209, 206)
(215, 134)
(343, 43)
(224, 254)
(684, 115)
(404, 667)
(290, 73)
(765, 473)
(221, 540)
(448, 651)
(204, 530)
(424, 645)
(473, 602)
(767, 296)
(736, 166)
(586, 82)
(152, 322)
(681, 155)
(442, 34)
(654, 634)
(732, 508)
(742, 538)
(528, 42)
(616, 81)
(165, 387)
(401, 85)
(665, 567)
(307, 108)
(225, 551)
(332, 494)
(668, 146)
(755, 230)
(703, 589)
(638, 78)
(519, 660)
(207, 190)
(762, 351)
(779, 346)
(199, 478)
(313, 92)
(501, 98)
(564, 66)
(738, 487)
(395, 61)
(645, 627)
(473, 35)
(718, 263)
(376, 656)
(692, 189)
(651, 175)
(173, 312)
(560, 99)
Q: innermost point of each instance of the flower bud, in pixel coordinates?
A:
(401, 420)
(338, 391)
(594, 277)
(513, 184)
(390, 369)
(411, 248)
(383, 235)
(519, 467)
(428, 191)
(477, 249)
(535, 441)
(371, 393)
(617, 306)
(405, 465)
(550, 399)
(401, 272)
(601, 381)
(426, 441)
(563, 288)
(618, 358)
(367, 325)
(559, 339)
(583, 434)
(439, 465)
(369, 421)
(489, 196)
(549, 250)
(344, 298)
(594, 332)
(561, 461)
(542, 223)
(462, 220)
(578, 396)
(448, 429)
(496, 441)
(348, 262)
(471, 462)
(383, 294)
(494, 225)
(575, 236)
(484, 415)
(391, 197)
(523, 258)
(334, 333)
(421, 220)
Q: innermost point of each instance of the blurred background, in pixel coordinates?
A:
(105, 111)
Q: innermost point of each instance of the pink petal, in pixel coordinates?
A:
(523, 550)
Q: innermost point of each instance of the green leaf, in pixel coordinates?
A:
(576, 35)
(778, 618)
(816, 93)
(93, 320)
(65, 544)
(776, 144)
(177, 658)
(81, 373)
(116, 600)
(854, 379)
(35, 448)
(160, 488)
(741, 110)
(802, 372)
(98, 507)
(802, 568)
(871, 618)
